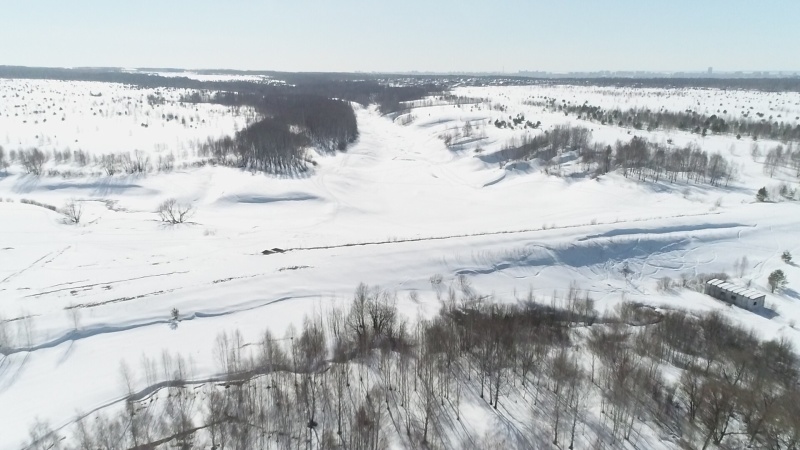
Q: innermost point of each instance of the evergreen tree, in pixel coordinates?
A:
(777, 280)
(787, 257)
(762, 194)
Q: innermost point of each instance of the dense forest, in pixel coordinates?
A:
(364, 376)
(277, 143)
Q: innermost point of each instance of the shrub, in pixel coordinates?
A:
(35, 203)
(787, 257)
(762, 194)
(665, 284)
(172, 211)
(73, 211)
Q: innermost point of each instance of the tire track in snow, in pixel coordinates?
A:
(502, 232)
(56, 255)
(76, 335)
(26, 268)
(46, 262)
(89, 286)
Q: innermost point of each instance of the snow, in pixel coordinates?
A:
(101, 118)
(212, 76)
(100, 293)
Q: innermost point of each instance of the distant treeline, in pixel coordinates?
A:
(766, 128)
(756, 84)
(363, 89)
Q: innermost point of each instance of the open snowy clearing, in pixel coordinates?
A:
(395, 209)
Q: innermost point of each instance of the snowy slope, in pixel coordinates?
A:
(85, 298)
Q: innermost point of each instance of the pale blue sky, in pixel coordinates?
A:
(426, 35)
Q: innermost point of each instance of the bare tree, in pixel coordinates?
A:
(716, 411)
(563, 370)
(741, 266)
(174, 212)
(3, 160)
(691, 384)
(73, 211)
(42, 437)
(6, 336)
(33, 160)
(577, 395)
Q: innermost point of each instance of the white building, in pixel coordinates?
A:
(737, 295)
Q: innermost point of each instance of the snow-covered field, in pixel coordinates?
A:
(780, 106)
(107, 118)
(213, 77)
(81, 299)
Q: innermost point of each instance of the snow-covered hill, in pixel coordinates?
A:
(78, 300)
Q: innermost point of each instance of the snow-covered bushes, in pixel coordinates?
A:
(35, 203)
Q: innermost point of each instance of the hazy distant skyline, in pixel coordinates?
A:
(439, 36)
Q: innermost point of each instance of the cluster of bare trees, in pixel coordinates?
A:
(780, 156)
(548, 144)
(267, 146)
(644, 159)
(137, 163)
(731, 381)
(360, 377)
(33, 161)
(637, 157)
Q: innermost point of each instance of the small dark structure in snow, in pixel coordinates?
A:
(274, 250)
(737, 295)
